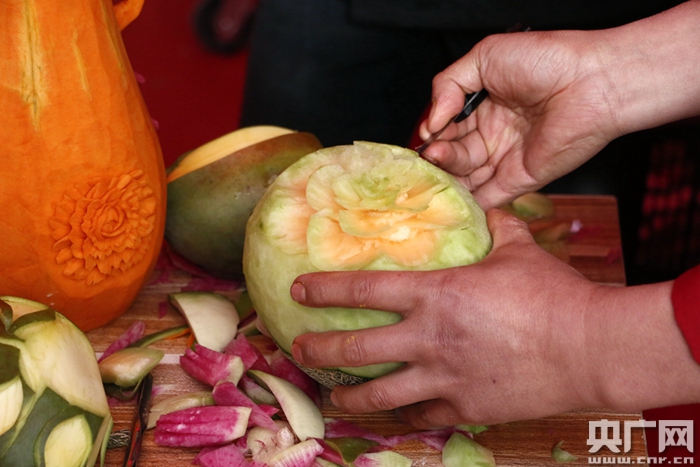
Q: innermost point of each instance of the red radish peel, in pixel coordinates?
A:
(210, 367)
(202, 426)
(227, 394)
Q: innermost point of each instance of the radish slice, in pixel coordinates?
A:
(299, 455)
(339, 428)
(212, 317)
(264, 444)
(227, 456)
(249, 325)
(284, 368)
(301, 412)
(329, 453)
(131, 335)
(179, 402)
(268, 409)
(436, 438)
(227, 394)
(257, 393)
(202, 426)
(252, 357)
(210, 367)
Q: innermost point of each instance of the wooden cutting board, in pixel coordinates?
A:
(595, 252)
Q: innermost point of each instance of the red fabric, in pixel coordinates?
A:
(686, 305)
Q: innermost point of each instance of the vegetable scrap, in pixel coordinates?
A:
(262, 410)
(131, 335)
(561, 456)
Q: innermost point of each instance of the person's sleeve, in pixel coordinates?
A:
(686, 305)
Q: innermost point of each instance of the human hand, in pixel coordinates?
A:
(499, 340)
(556, 98)
(548, 111)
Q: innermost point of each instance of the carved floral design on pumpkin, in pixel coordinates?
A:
(102, 227)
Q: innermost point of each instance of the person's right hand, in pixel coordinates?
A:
(557, 98)
(548, 111)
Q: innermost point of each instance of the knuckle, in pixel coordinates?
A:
(446, 334)
(439, 79)
(444, 289)
(362, 291)
(432, 414)
(352, 351)
(310, 352)
(378, 397)
(417, 416)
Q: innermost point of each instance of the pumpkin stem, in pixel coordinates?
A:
(126, 11)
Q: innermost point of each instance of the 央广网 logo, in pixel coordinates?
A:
(608, 434)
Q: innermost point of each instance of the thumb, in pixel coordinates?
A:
(506, 228)
(449, 88)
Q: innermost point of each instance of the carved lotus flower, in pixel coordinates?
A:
(103, 227)
(345, 218)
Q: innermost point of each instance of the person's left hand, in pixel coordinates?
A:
(496, 341)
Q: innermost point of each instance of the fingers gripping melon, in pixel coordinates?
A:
(366, 206)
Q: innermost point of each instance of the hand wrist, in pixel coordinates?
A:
(651, 68)
(638, 356)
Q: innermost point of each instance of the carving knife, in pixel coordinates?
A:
(471, 102)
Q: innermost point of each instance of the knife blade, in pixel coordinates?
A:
(471, 102)
(140, 422)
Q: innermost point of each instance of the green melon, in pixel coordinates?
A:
(364, 206)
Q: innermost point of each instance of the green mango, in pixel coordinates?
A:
(212, 191)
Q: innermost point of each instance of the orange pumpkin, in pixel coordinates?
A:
(82, 185)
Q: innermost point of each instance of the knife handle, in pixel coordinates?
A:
(471, 102)
(131, 458)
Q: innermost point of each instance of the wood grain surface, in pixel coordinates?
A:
(595, 252)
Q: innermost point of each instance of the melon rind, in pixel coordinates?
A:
(276, 250)
(329, 377)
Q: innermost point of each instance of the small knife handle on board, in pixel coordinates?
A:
(138, 427)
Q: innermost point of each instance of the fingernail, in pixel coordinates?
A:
(428, 158)
(296, 353)
(298, 292)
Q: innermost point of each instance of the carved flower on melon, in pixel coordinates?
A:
(349, 218)
(103, 227)
(367, 206)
